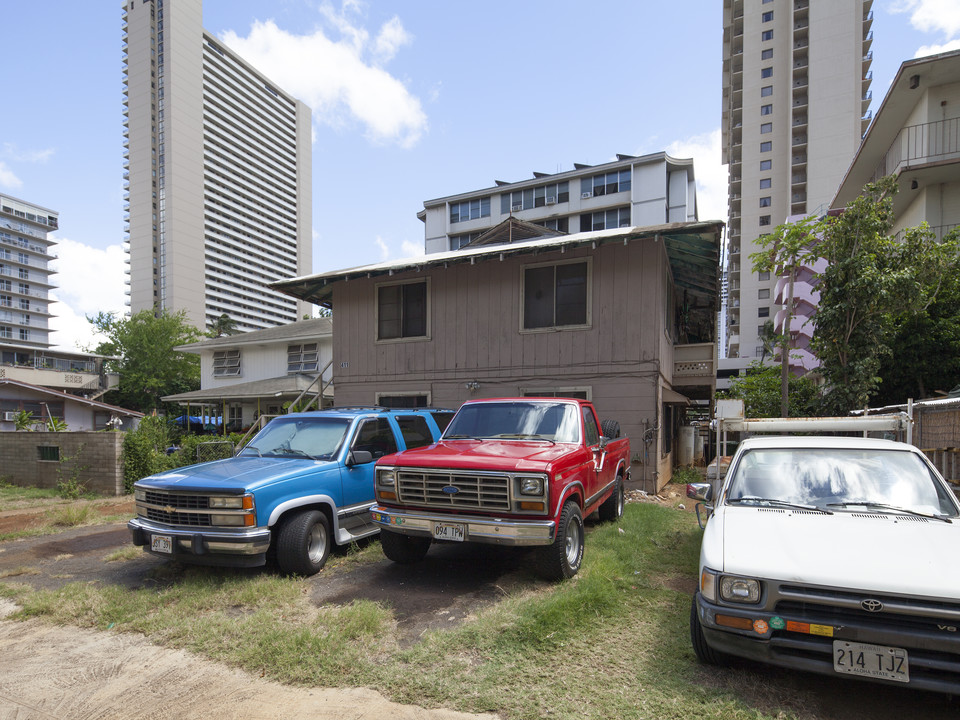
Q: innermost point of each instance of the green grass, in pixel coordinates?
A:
(14, 497)
(612, 642)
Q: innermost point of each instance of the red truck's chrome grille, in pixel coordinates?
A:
(453, 490)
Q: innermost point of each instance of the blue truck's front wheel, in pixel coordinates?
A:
(303, 543)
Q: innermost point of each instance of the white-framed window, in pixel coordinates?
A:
(556, 295)
(303, 358)
(606, 183)
(470, 209)
(605, 219)
(403, 310)
(534, 197)
(226, 363)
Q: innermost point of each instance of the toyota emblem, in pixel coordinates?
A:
(871, 605)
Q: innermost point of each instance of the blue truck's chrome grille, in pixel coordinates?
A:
(175, 508)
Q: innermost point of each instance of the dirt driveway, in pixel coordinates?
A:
(64, 672)
(58, 672)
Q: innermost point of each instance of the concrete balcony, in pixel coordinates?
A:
(695, 365)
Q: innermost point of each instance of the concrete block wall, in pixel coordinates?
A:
(97, 452)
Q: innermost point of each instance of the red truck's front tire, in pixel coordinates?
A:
(403, 549)
(561, 559)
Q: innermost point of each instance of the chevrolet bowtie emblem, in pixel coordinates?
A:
(169, 509)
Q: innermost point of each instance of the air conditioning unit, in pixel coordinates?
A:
(10, 416)
(584, 196)
(517, 207)
(551, 200)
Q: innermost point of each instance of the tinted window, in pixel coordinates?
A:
(376, 437)
(415, 431)
(442, 419)
(590, 427)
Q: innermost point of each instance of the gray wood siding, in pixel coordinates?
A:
(475, 316)
(474, 328)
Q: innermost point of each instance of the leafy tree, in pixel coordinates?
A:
(925, 351)
(769, 340)
(873, 285)
(147, 363)
(223, 325)
(785, 251)
(759, 389)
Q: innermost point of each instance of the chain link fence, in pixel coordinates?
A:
(214, 450)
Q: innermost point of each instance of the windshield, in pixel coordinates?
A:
(546, 420)
(840, 478)
(318, 438)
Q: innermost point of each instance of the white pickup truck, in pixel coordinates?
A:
(832, 555)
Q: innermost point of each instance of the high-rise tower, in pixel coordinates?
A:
(217, 174)
(796, 88)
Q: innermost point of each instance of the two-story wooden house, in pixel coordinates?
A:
(626, 318)
(256, 373)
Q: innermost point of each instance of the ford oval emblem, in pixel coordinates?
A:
(871, 605)
(450, 490)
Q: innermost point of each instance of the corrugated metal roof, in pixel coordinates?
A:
(693, 249)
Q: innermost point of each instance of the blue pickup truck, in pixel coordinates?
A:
(303, 482)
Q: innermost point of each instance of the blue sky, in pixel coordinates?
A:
(411, 101)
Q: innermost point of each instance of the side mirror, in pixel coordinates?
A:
(359, 457)
(603, 442)
(704, 493)
(700, 491)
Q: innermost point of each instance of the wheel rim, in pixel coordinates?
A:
(316, 543)
(572, 542)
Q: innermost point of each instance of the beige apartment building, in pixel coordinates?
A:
(217, 174)
(796, 92)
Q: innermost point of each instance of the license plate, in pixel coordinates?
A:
(443, 531)
(876, 661)
(161, 543)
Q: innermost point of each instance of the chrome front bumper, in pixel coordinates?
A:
(493, 531)
(246, 546)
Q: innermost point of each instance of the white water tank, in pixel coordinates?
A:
(687, 435)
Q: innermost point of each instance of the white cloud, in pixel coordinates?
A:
(11, 151)
(937, 49)
(931, 15)
(8, 179)
(391, 38)
(89, 280)
(412, 249)
(710, 173)
(341, 80)
(383, 248)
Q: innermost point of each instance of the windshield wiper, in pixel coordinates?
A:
(523, 436)
(297, 451)
(780, 503)
(461, 437)
(892, 508)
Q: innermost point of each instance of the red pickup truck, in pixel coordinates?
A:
(514, 471)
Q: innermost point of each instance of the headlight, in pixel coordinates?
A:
(139, 494)
(229, 520)
(531, 486)
(386, 477)
(227, 502)
(739, 590)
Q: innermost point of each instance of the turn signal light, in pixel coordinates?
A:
(387, 495)
(735, 622)
(534, 506)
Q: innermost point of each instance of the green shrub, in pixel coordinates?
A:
(686, 474)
